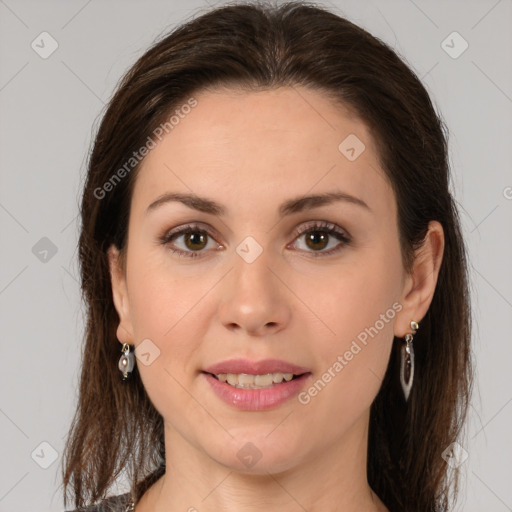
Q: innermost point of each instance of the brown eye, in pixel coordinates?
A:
(195, 240)
(321, 239)
(317, 240)
(189, 241)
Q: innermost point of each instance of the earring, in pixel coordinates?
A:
(126, 362)
(407, 361)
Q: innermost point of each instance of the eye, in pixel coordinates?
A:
(319, 236)
(193, 240)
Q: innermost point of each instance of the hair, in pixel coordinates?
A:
(256, 47)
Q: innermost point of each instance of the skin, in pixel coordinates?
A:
(251, 151)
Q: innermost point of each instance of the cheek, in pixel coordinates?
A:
(161, 297)
(351, 368)
(354, 296)
(165, 308)
(357, 309)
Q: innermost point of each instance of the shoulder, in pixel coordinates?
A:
(118, 503)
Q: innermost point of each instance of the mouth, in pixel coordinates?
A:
(251, 385)
(249, 381)
(256, 392)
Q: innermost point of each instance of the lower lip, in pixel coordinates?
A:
(256, 399)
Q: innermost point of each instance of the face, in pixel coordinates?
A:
(267, 275)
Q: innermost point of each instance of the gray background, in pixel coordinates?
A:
(49, 108)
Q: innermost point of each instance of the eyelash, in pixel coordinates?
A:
(322, 226)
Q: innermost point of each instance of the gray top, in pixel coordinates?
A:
(120, 503)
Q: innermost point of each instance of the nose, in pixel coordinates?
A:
(254, 300)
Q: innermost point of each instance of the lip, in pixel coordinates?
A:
(261, 367)
(256, 399)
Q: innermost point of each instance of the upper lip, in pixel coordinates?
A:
(255, 367)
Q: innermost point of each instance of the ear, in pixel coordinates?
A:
(420, 283)
(120, 295)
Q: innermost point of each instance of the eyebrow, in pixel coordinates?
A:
(289, 207)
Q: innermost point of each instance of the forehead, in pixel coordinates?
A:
(274, 143)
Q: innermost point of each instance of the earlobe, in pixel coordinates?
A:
(120, 295)
(420, 284)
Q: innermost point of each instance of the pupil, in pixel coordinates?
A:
(318, 240)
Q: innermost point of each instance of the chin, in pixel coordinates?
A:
(259, 454)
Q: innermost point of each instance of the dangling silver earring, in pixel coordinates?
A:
(126, 362)
(407, 361)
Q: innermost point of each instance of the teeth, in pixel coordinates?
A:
(244, 380)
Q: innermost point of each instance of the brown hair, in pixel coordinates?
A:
(256, 47)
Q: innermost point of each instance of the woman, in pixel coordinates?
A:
(275, 279)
